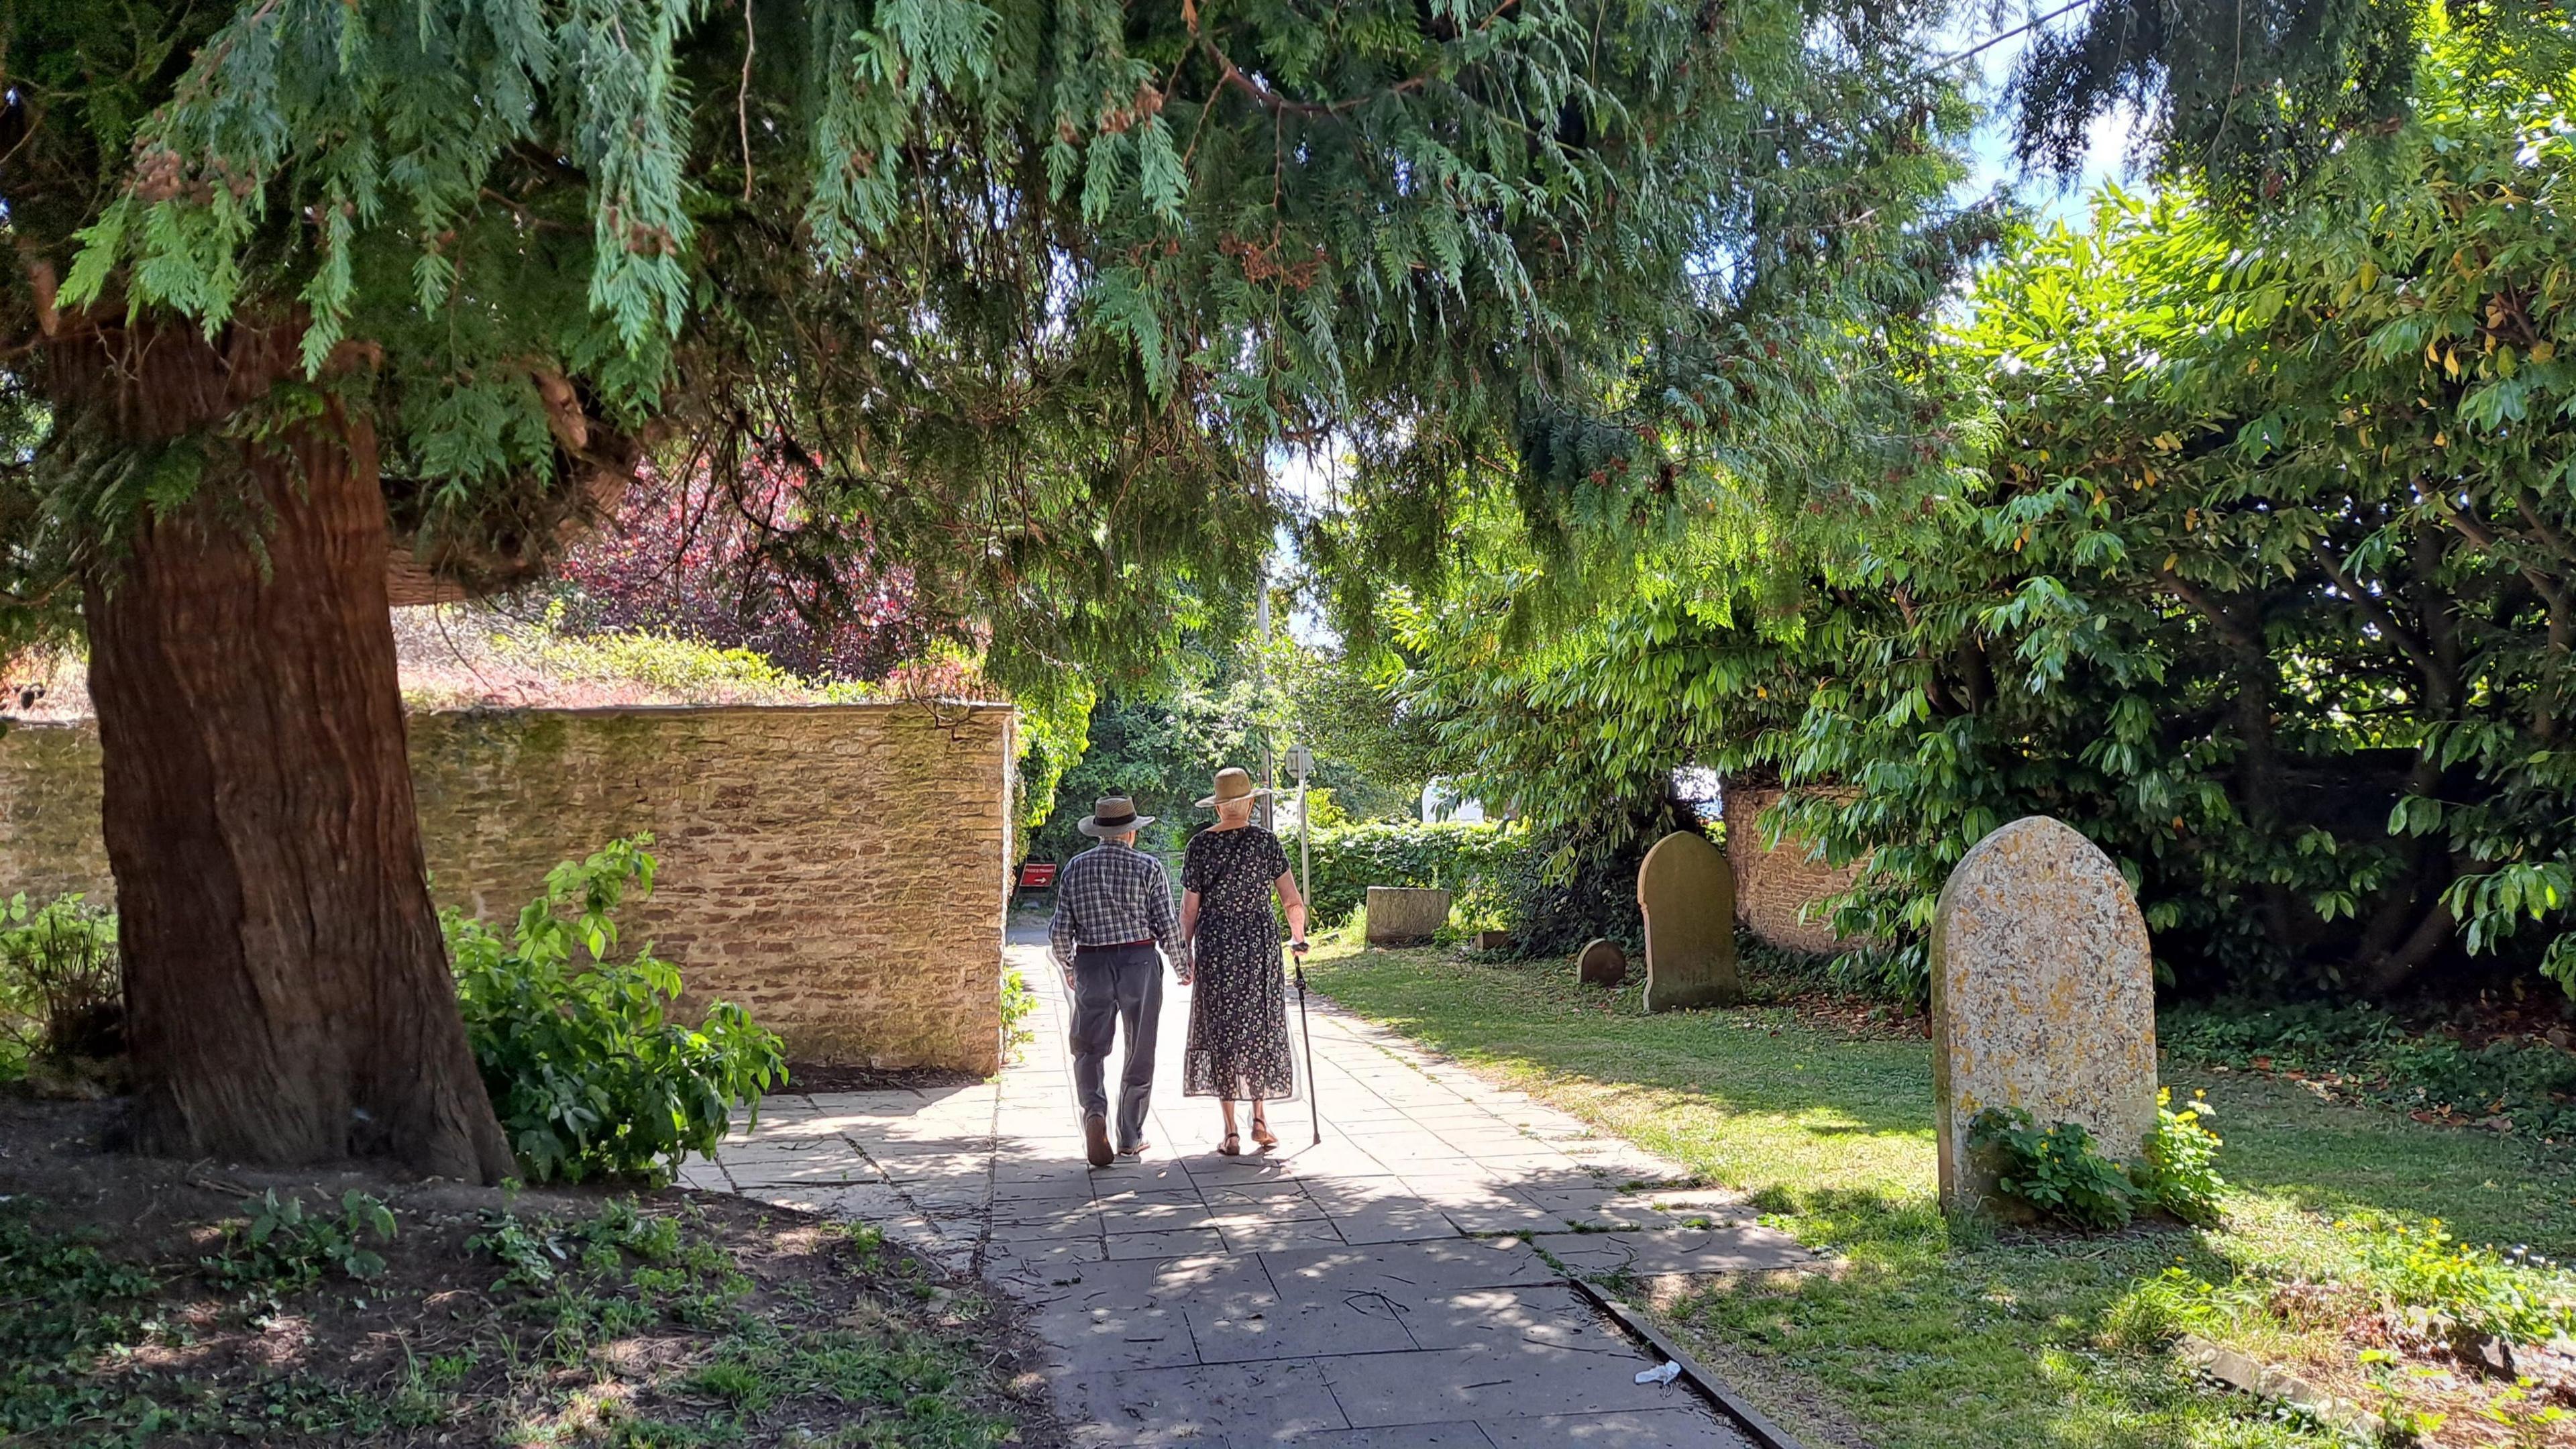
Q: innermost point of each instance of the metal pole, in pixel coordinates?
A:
(1305, 850)
(1302, 761)
(1261, 694)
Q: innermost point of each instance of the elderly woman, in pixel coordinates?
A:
(1238, 1046)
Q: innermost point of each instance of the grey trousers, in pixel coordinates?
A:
(1121, 984)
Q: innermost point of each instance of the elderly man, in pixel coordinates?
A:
(1113, 904)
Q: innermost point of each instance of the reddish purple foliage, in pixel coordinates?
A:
(744, 565)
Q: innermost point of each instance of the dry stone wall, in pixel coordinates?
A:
(1774, 885)
(839, 870)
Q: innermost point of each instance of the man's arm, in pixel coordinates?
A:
(1166, 925)
(1063, 931)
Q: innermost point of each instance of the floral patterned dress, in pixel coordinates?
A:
(1238, 1047)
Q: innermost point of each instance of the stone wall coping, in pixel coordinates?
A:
(487, 711)
(864, 706)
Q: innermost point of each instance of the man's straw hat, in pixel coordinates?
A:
(1112, 815)
(1231, 785)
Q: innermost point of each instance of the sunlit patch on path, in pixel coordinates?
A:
(1404, 1283)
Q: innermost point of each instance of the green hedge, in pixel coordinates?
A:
(1469, 859)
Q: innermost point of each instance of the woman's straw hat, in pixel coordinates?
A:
(1231, 785)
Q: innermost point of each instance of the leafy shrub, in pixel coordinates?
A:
(2063, 1176)
(531, 1250)
(1471, 859)
(2179, 1171)
(1019, 1003)
(2469, 1293)
(2057, 1172)
(1880, 971)
(588, 1074)
(60, 990)
(1571, 883)
(284, 1249)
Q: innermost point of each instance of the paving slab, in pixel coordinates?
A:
(1385, 1289)
(1485, 1383)
(1401, 1436)
(1743, 1248)
(1553, 1316)
(1258, 1324)
(1246, 1403)
(1445, 1265)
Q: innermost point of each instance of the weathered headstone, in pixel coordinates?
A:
(2043, 997)
(1493, 940)
(1404, 915)
(1687, 892)
(1602, 963)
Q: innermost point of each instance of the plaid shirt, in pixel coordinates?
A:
(1109, 895)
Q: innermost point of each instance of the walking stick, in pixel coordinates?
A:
(1302, 760)
(1314, 1090)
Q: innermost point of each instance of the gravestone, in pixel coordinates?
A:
(1601, 963)
(1405, 915)
(1687, 892)
(2043, 998)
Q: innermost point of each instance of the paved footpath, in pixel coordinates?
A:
(1401, 1286)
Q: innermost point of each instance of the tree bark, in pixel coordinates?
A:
(288, 994)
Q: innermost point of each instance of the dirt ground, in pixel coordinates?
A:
(130, 1314)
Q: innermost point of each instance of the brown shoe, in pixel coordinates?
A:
(1095, 1139)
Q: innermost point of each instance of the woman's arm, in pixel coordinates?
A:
(1293, 903)
(1189, 916)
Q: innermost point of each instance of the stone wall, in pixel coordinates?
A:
(839, 870)
(1773, 884)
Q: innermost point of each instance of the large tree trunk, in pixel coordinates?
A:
(288, 994)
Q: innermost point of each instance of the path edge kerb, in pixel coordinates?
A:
(1762, 1431)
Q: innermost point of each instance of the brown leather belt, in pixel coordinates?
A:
(1114, 946)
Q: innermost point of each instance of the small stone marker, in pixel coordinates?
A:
(1405, 916)
(1687, 892)
(1601, 963)
(2043, 998)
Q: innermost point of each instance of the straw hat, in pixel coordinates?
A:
(1112, 815)
(1231, 785)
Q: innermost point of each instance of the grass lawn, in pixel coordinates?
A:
(1928, 1333)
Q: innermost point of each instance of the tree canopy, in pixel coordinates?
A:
(1034, 286)
(1023, 293)
(2261, 580)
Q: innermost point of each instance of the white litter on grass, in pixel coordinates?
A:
(1665, 1375)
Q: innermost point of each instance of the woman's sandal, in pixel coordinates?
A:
(1231, 1146)
(1262, 1135)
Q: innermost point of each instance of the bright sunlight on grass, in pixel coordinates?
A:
(1924, 1334)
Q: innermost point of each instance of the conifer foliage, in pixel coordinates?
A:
(1025, 288)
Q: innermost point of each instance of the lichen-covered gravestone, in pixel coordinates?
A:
(2043, 998)
(1602, 963)
(1687, 892)
(1402, 916)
